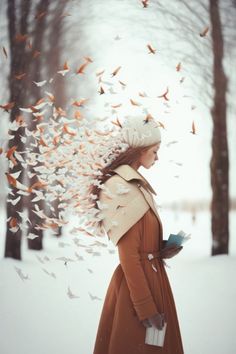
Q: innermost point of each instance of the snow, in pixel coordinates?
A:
(37, 315)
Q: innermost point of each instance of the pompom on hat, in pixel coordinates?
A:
(140, 131)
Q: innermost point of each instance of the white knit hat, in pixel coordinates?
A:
(140, 131)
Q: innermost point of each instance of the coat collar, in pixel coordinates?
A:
(128, 173)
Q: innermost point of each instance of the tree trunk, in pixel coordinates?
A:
(34, 95)
(58, 85)
(18, 65)
(219, 161)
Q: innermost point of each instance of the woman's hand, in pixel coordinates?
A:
(156, 320)
(170, 251)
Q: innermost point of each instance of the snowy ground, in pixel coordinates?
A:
(37, 315)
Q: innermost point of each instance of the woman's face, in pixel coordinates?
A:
(148, 157)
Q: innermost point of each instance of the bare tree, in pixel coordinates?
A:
(38, 35)
(213, 90)
(219, 160)
(17, 29)
(54, 59)
(35, 21)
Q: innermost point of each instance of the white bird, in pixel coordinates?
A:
(21, 274)
(80, 258)
(14, 201)
(51, 274)
(32, 236)
(94, 297)
(121, 189)
(63, 244)
(70, 294)
(40, 83)
(46, 258)
(96, 253)
(65, 259)
(40, 259)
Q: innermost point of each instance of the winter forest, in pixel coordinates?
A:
(71, 70)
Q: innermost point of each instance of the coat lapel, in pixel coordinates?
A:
(129, 173)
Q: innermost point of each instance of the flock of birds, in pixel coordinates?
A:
(66, 152)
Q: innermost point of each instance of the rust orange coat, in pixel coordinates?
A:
(138, 289)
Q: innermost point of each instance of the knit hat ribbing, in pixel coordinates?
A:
(140, 131)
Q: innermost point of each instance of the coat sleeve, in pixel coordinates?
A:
(128, 251)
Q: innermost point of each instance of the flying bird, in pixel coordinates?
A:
(134, 103)
(193, 131)
(145, 3)
(70, 294)
(94, 297)
(82, 68)
(101, 90)
(21, 274)
(19, 76)
(40, 15)
(178, 67)
(117, 123)
(151, 49)
(204, 32)
(6, 107)
(51, 274)
(164, 95)
(115, 72)
(5, 52)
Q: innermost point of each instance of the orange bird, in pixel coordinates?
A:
(100, 72)
(37, 185)
(40, 15)
(36, 53)
(204, 32)
(165, 95)
(116, 71)
(145, 3)
(116, 105)
(101, 91)
(134, 103)
(151, 49)
(122, 83)
(148, 118)
(10, 153)
(79, 103)
(66, 66)
(142, 94)
(193, 131)
(161, 125)
(20, 37)
(82, 67)
(117, 122)
(77, 115)
(13, 222)
(88, 59)
(7, 106)
(19, 76)
(11, 180)
(178, 67)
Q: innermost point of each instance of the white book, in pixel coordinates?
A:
(155, 336)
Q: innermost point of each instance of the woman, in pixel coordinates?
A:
(139, 293)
